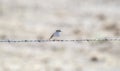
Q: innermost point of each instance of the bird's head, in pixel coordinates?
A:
(58, 30)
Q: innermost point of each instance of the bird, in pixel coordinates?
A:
(55, 34)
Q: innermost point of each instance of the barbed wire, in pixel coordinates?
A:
(82, 40)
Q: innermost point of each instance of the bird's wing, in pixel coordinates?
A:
(51, 36)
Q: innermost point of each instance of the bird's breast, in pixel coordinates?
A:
(57, 34)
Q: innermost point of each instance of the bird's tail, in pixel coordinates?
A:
(51, 36)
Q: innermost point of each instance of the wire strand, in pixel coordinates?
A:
(82, 40)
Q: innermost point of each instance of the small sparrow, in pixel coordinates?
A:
(55, 34)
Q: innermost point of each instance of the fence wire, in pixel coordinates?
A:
(39, 41)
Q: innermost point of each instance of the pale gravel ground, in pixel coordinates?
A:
(37, 19)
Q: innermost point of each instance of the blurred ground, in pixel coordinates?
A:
(38, 19)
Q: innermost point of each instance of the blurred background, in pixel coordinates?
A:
(38, 19)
